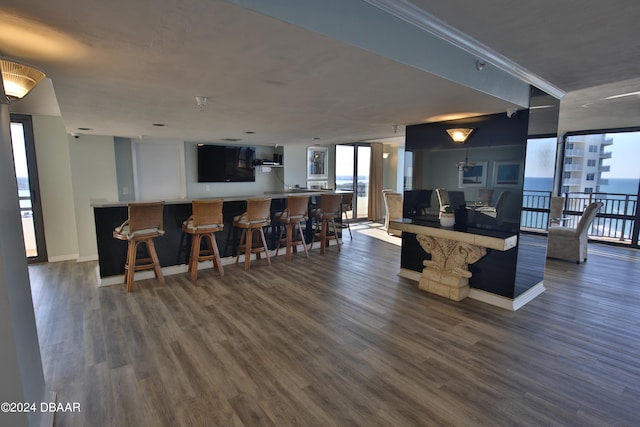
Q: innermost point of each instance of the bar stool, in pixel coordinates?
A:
(205, 221)
(326, 214)
(347, 206)
(142, 226)
(257, 215)
(290, 218)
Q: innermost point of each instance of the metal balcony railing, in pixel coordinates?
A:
(615, 220)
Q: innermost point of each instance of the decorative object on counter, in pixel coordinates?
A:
(447, 216)
(205, 221)
(145, 222)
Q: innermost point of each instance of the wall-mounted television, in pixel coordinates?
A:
(220, 163)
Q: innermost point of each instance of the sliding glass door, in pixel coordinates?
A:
(352, 174)
(28, 190)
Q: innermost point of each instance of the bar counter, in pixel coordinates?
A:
(173, 248)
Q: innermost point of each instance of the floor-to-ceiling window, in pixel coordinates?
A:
(352, 173)
(28, 190)
(539, 173)
(602, 166)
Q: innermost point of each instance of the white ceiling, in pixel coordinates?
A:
(119, 66)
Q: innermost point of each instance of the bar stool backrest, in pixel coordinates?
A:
(207, 212)
(145, 216)
(347, 201)
(297, 206)
(259, 210)
(330, 203)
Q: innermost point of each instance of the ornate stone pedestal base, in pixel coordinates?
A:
(444, 285)
(447, 273)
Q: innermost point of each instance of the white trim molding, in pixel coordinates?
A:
(412, 14)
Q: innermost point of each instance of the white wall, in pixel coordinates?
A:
(159, 170)
(56, 191)
(93, 174)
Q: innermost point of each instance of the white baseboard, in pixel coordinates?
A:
(179, 269)
(88, 258)
(488, 297)
(60, 258)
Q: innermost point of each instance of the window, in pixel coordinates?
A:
(566, 175)
(568, 160)
(593, 148)
(591, 162)
(569, 146)
(591, 176)
(588, 190)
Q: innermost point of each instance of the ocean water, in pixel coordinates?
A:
(615, 186)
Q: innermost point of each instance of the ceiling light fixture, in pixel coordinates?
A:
(18, 78)
(202, 102)
(622, 95)
(460, 135)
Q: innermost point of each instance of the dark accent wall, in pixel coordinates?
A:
(497, 140)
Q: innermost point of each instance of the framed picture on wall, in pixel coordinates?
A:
(317, 163)
(506, 174)
(473, 174)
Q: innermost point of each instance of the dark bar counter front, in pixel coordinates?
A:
(173, 248)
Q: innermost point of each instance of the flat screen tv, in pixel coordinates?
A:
(220, 163)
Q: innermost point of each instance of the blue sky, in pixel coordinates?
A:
(625, 151)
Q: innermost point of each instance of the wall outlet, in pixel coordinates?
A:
(207, 188)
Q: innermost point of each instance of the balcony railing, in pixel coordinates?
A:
(576, 152)
(573, 167)
(571, 181)
(605, 154)
(614, 221)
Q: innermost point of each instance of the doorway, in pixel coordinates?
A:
(24, 158)
(352, 174)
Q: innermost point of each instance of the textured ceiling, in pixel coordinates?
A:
(118, 67)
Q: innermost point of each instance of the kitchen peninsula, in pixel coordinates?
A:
(173, 247)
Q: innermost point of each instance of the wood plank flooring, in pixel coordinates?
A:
(341, 340)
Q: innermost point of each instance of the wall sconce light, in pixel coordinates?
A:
(18, 78)
(460, 135)
(385, 155)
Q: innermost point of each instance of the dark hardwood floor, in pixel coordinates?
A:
(339, 340)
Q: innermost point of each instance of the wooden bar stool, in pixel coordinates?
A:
(258, 215)
(347, 206)
(291, 218)
(326, 214)
(142, 226)
(205, 221)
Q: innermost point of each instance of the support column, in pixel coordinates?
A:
(20, 362)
